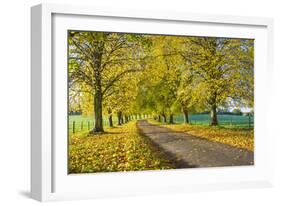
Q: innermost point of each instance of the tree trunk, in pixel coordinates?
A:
(159, 118)
(98, 111)
(171, 120)
(119, 116)
(164, 117)
(126, 119)
(185, 116)
(110, 120)
(214, 118)
(98, 87)
(122, 119)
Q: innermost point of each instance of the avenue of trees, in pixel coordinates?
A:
(134, 74)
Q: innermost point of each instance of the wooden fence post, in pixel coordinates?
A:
(73, 127)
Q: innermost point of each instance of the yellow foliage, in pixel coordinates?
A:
(241, 138)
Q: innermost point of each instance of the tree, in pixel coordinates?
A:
(160, 91)
(101, 60)
(123, 98)
(125, 74)
(219, 65)
(237, 111)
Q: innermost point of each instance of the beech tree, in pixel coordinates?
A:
(135, 75)
(101, 60)
(224, 71)
(165, 73)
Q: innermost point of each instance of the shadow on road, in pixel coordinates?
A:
(189, 151)
(178, 163)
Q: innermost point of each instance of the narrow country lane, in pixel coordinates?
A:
(189, 151)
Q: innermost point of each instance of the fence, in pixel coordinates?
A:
(78, 123)
(79, 126)
(224, 120)
(84, 124)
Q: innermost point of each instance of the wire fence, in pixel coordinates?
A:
(79, 123)
(227, 120)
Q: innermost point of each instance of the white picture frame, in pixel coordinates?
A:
(49, 179)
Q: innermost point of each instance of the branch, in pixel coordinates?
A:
(81, 91)
(81, 49)
(118, 77)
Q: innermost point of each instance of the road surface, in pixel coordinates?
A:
(186, 150)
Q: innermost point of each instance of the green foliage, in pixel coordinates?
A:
(237, 111)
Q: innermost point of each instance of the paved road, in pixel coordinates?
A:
(189, 151)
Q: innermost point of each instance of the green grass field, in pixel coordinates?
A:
(229, 121)
(225, 120)
(82, 123)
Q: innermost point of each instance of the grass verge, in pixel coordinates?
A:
(118, 149)
(241, 138)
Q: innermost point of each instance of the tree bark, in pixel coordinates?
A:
(110, 117)
(159, 118)
(98, 88)
(213, 114)
(119, 116)
(126, 119)
(98, 111)
(185, 116)
(171, 119)
(110, 120)
(164, 117)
